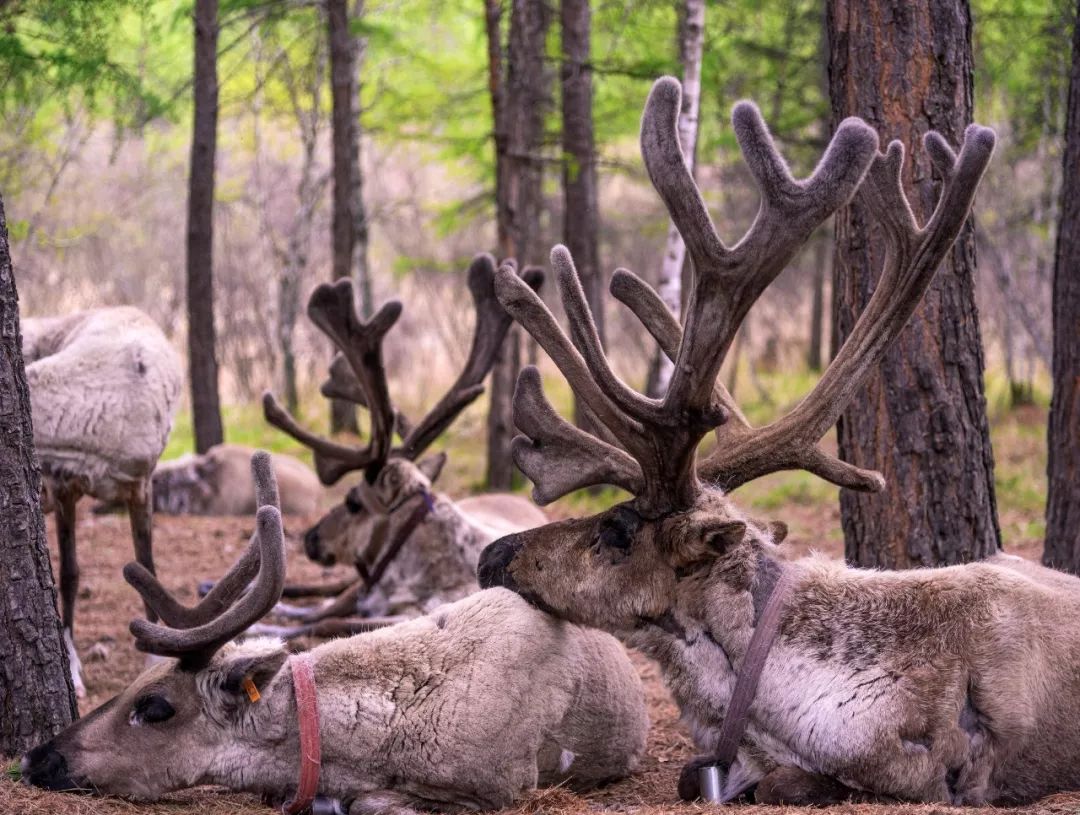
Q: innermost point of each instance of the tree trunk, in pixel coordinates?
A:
(37, 699)
(905, 67)
(520, 97)
(1063, 468)
(581, 216)
(360, 220)
(691, 40)
(202, 338)
(345, 154)
(817, 304)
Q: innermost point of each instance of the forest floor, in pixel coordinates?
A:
(189, 549)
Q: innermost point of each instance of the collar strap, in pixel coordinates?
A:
(401, 536)
(307, 713)
(746, 683)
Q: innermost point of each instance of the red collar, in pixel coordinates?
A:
(307, 714)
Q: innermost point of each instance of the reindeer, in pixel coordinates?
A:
(413, 548)
(809, 679)
(428, 714)
(104, 385)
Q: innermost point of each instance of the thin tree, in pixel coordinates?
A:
(581, 216)
(37, 699)
(1063, 434)
(520, 98)
(348, 210)
(691, 43)
(922, 419)
(202, 337)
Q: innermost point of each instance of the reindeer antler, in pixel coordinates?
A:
(659, 437)
(357, 373)
(333, 309)
(194, 635)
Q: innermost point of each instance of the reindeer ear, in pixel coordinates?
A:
(432, 465)
(720, 537)
(241, 674)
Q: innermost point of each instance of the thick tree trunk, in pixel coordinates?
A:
(1063, 501)
(37, 699)
(905, 67)
(691, 40)
(345, 154)
(202, 338)
(581, 216)
(817, 304)
(520, 97)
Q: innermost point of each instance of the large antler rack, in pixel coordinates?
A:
(650, 444)
(357, 373)
(195, 634)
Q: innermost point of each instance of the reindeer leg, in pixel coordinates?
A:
(65, 500)
(140, 515)
(791, 786)
(324, 629)
(385, 802)
(344, 605)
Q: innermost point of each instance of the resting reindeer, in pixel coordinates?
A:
(955, 685)
(427, 714)
(104, 385)
(413, 549)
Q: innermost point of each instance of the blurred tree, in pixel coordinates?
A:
(581, 216)
(691, 38)
(37, 699)
(1063, 501)
(202, 338)
(922, 419)
(348, 208)
(521, 98)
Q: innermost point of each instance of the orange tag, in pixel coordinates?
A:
(252, 691)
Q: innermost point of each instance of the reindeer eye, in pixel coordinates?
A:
(352, 503)
(615, 537)
(151, 710)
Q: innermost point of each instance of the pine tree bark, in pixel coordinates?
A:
(202, 337)
(37, 699)
(521, 97)
(1062, 549)
(345, 152)
(691, 43)
(581, 216)
(906, 67)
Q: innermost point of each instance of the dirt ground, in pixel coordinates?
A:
(189, 549)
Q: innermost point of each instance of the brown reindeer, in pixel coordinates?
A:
(413, 548)
(465, 709)
(956, 685)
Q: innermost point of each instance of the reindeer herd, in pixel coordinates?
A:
(474, 656)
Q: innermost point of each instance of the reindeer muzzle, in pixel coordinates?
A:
(494, 562)
(46, 767)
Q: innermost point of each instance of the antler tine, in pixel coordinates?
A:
(492, 323)
(726, 285)
(527, 308)
(195, 634)
(341, 383)
(195, 646)
(558, 457)
(333, 309)
(912, 258)
(229, 587)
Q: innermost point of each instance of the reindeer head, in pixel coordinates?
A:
(392, 475)
(629, 563)
(182, 719)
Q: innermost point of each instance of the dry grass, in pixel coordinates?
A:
(188, 549)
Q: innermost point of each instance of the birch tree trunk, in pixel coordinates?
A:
(202, 336)
(691, 39)
(37, 699)
(906, 68)
(1063, 435)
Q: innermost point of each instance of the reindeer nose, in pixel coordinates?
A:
(311, 543)
(494, 561)
(45, 767)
